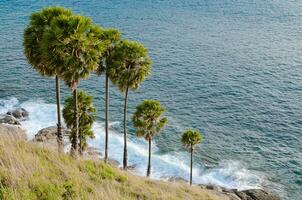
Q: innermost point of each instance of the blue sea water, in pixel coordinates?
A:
(230, 68)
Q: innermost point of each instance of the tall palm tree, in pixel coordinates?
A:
(148, 122)
(39, 23)
(129, 64)
(86, 117)
(190, 139)
(110, 37)
(76, 52)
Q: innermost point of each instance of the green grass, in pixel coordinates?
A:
(32, 173)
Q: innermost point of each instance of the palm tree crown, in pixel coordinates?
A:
(130, 65)
(40, 23)
(191, 138)
(75, 47)
(147, 119)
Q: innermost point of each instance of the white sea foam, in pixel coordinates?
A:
(230, 174)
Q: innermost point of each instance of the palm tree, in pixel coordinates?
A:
(190, 139)
(76, 52)
(148, 122)
(39, 23)
(86, 113)
(129, 65)
(110, 37)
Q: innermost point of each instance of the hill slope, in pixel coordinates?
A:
(30, 172)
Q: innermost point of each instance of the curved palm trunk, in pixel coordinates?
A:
(191, 167)
(149, 160)
(59, 129)
(74, 142)
(106, 117)
(125, 131)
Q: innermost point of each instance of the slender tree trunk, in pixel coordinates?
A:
(125, 131)
(74, 145)
(59, 127)
(149, 159)
(80, 143)
(191, 167)
(106, 117)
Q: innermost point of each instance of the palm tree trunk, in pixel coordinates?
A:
(59, 129)
(106, 117)
(149, 160)
(80, 143)
(125, 131)
(191, 167)
(74, 145)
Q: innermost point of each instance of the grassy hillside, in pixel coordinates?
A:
(30, 172)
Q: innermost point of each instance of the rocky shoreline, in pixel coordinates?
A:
(46, 138)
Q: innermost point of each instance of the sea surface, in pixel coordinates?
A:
(229, 68)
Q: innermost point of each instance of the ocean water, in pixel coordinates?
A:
(232, 69)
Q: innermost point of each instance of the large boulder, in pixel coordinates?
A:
(9, 119)
(47, 137)
(18, 113)
(13, 132)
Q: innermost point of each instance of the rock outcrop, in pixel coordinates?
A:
(18, 113)
(47, 137)
(9, 119)
(234, 194)
(13, 117)
(13, 132)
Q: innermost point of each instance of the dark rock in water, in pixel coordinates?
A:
(177, 179)
(12, 132)
(18, 113)
(9, 119)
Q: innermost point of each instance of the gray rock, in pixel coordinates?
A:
(214, 187)
(113, 162)
(18, 113)
(92, 153)
(232, 196)
(47, 137)
(177, 179)
(9, 119)
(12, 132)
(258, 194)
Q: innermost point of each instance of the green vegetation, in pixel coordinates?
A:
(148, 122)
(33, 173)
(86, 113)
(110, 37)
(75, 51)
(33, 34)
(190, 139)
(130, 65)
(71, 47)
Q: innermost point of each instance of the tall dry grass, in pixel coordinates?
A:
(29, 172)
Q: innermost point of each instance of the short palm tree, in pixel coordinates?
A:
(190, 139)
(39, 23)
(110, 37)
(129, 64)
(148, 121)
(76, 52)
(87, 115)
